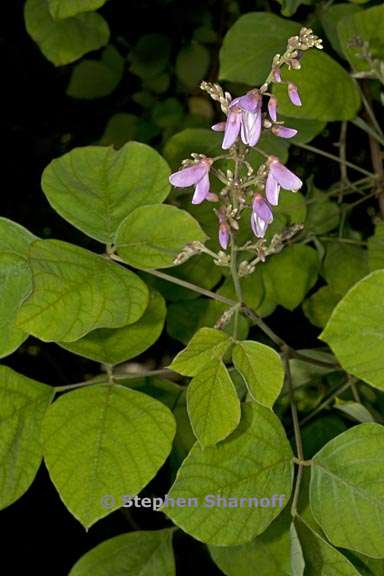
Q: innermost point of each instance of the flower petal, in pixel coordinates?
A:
(262, 209)
(258, 225)
(201, 190)
(293, 94)
(284, 131)
(219, 127)
(250, 128)
(272, 189)
(189, 176)
(232, 128)
(223, 236)
(272, 108)
(287, 179)
(276, 75)
(249, 102)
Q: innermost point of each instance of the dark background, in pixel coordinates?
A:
(39, 122)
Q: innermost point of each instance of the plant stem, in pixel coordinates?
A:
(328, 400)
(236, 284)
(160, 372)
(297, 432)
(333, 157)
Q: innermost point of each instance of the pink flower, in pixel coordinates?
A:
(276, 74)
(293, 94)
(223, 229)
(261, 216)
(196, 175)
(284, 132)
(219, 127)
(272, 108)
(279, 176)
(244, 117)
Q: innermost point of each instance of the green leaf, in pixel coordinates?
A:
(252, 289)
(192, 64)
(64, 41)
(207, 345)
(330, 18)
(327, 91)
(150, 55)
(76, 291)
(355, 330)
(292, 272)
(254, 462)
(270, 552)
(262, 370)
(322, 214)
(113, 346)
(15, 238)
(213, 404)
(321, 559)
(15, 282)
(367, 25)
(319, 431)
(146, 553)
(344, 265)
(250, 44)
(94, 188)
(346, 493)
(289, 7)
(318, 308)
(152, 236)
(355, 410)
(15, 287)
(23, 403)
(104, 440)
(95, 79)
(376, 248)
(122, 128)
(67, 8)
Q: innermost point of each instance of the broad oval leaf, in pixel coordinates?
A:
(15, 282)
(250, 44)
(95, 187)
(347, 490)
(113, 346)
(254, 462)
(355, 330)
(23, 403)
(146, 553)
(261, 369)
(270, 552)
(76, 291)
(344, 265)
(64, 41)
(152, 236)
(96, 78)
(104, 440)
(321, 559)
(213, 404)
(292, 273)
(15, 287)
(367, 25)
(326, 90)
(67, 8)
(207, 345)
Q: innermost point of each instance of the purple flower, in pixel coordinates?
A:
(279, 176)
(261, 216)
(276, 74)
(244, 117)
(196, 175)
(284, 132)
(223, 229)
(219, 127)
(272, 108)
(293, 94)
